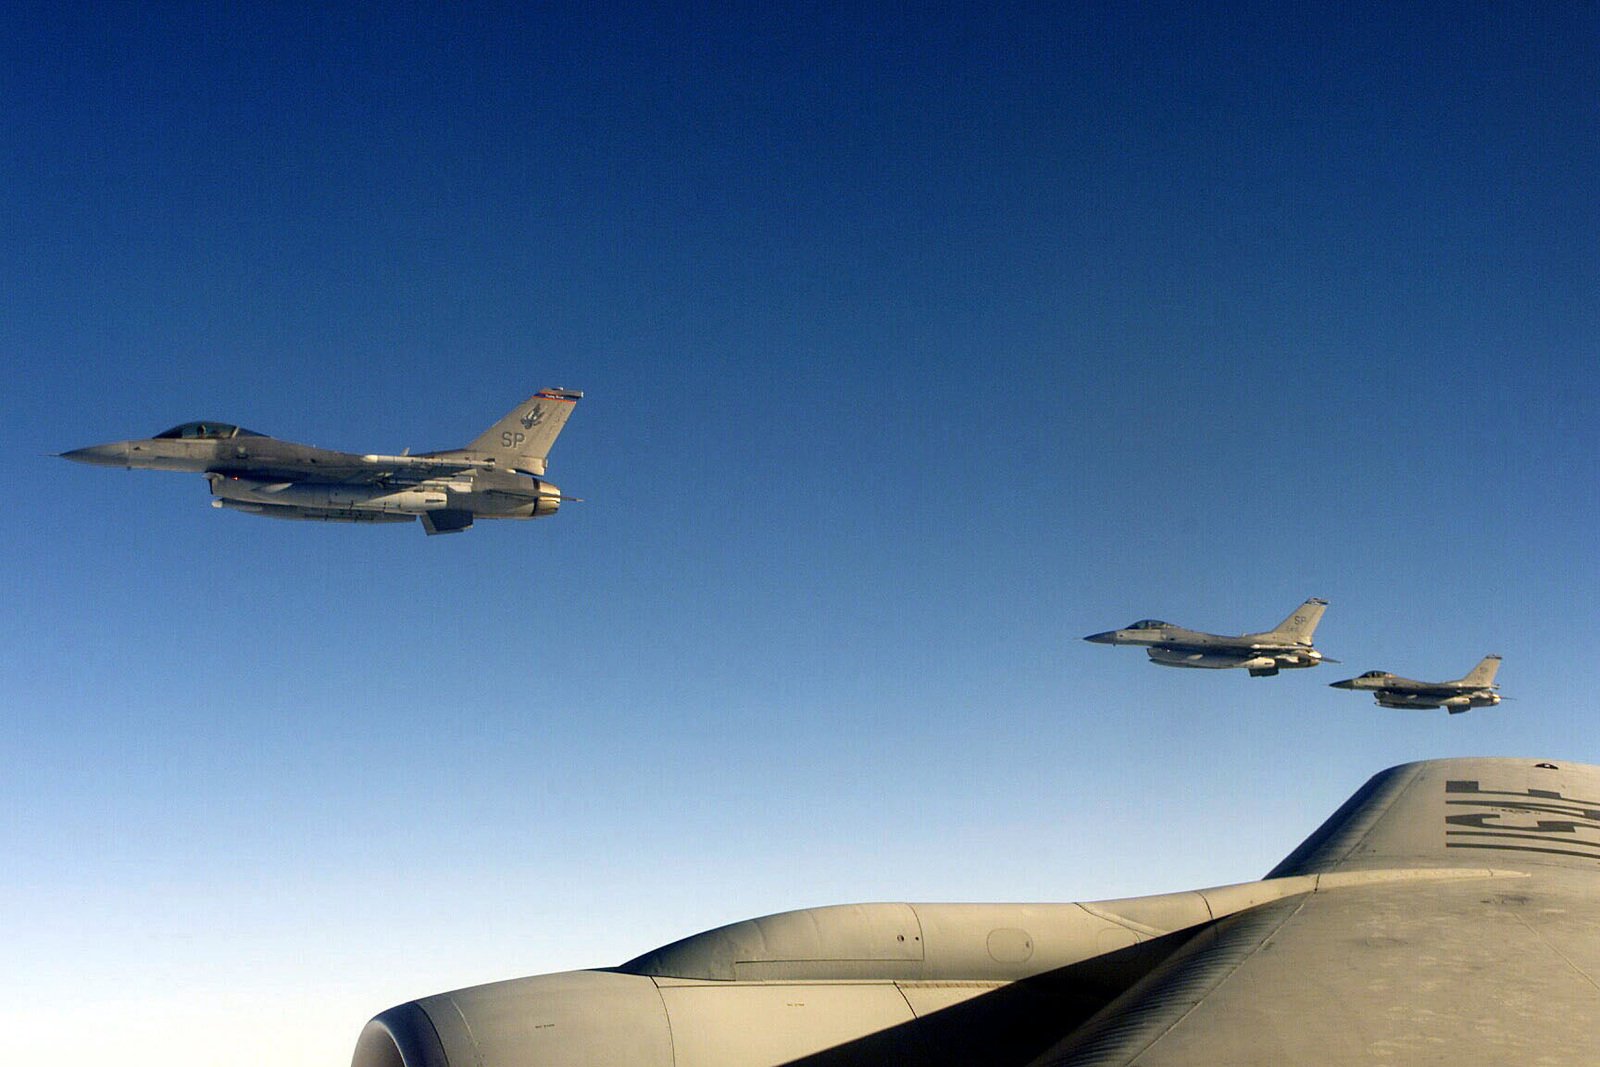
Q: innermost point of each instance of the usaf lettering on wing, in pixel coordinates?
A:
(1509, 822)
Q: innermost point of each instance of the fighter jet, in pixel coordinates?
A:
(1476, 690)
(1448, 912)
(1285, 646)
(498, 476)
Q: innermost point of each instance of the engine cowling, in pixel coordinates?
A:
(548, 502)
(554, 1020)
(846, 986)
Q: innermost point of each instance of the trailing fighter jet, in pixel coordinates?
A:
(1476, 690)
(1285, 646)
(498, 476)
(1448, 912)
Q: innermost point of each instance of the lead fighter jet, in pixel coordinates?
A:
(1476, 690)
(498, 476)
(1285, 646)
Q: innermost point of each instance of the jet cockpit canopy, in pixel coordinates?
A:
(1150, 624)
(1377, 674)
(206, 431)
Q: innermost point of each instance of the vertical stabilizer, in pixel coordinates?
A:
(522, 439)
(1483, 674)
(1303, 623)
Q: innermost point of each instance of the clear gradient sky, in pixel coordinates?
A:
(917, 345)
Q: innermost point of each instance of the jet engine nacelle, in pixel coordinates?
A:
(928, 984)
(555, 1020)
(593, 1018)
(548, 501)
(858, 985)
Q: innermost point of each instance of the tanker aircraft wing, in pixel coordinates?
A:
(1409, 969)
(1284, 647)
(498, 476)
(1448, 912)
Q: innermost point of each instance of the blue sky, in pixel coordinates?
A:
(916, 345)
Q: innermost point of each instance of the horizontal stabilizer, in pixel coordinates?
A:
(446, 520)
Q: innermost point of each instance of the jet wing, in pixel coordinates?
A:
(1460, 971)
(304, 464)
(1430, 689)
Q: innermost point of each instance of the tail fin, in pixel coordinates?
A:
(522, 439)
(1483, 674)
(1303, 623)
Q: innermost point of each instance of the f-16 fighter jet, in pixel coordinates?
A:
(1476, 690)
(1285, 646)
(498, 476)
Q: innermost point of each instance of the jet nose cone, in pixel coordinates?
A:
(115, 455)
(1346, 684)
(1104, 638)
